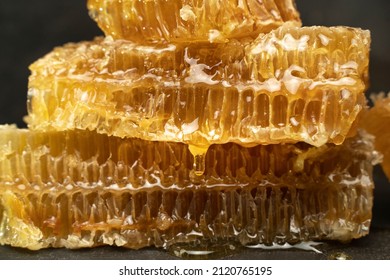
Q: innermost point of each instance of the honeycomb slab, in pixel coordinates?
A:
(182, 20)
(83, 189)
(376, 121)
(291, 85)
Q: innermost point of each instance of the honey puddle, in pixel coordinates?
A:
(220, 249)
(205, 249)
(306, 246)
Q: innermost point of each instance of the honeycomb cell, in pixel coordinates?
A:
(193, 20)
(82, 189)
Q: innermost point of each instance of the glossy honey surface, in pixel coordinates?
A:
(291, 85)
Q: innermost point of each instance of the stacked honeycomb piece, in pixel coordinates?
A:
(375, 121)
(192, 120)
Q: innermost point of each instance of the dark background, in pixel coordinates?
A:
(30, 29)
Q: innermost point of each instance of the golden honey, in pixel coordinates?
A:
(290, 85)
(83, 189)
(179, 20)
(376, 121)
(193, 121)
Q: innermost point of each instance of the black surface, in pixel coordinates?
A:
(30, 29)
(375, 246)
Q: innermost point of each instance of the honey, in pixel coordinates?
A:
(376, 121)
(83, 189)
(290, 85)
(193, 121)
(179, 20)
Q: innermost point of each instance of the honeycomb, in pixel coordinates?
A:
(190, 20)
(193, 121)
(376, 121)
(290, 85)
(81, 189)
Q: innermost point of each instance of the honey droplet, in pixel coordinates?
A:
(199, 154)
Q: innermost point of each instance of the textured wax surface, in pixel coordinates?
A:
(293, 84)
(377, 122)
(179, 20)
(83, 189)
